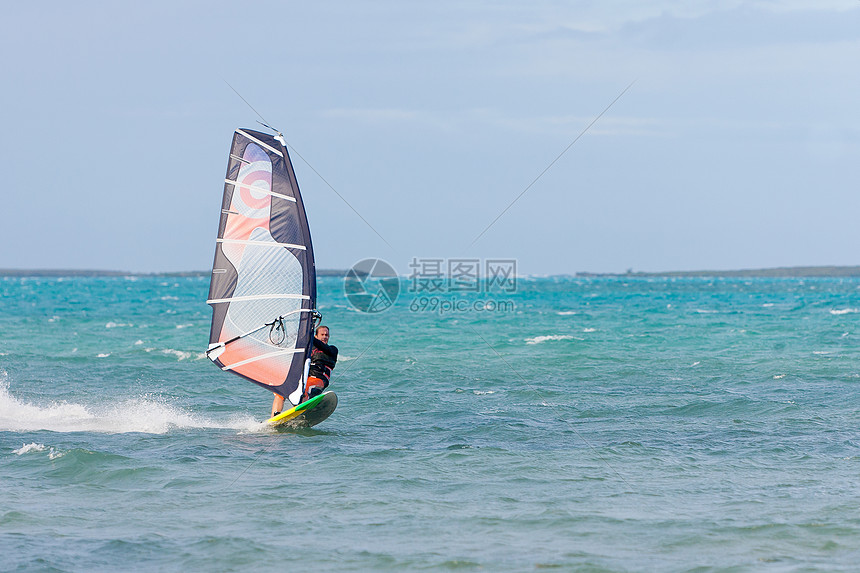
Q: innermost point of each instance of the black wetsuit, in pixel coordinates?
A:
(323, 359)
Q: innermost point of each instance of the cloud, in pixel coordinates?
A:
(510, 123)
(499, 24)
(374, 115)
(391, 117)
(745, 27)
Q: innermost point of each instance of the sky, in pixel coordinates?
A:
(735, 142)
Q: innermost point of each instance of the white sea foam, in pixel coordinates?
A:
(184, 355)
(117, 325)
(540, 339)
(103, 355)
(778, 376)
(145, 414)
(843, 311)
(589, 330)
(179, 354)
(31, 447)
(566, 312)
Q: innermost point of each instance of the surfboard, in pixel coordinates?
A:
(307, 414)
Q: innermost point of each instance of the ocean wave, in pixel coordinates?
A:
(843, 311)
(31, 447)
(183, 355)
(547, 338)
(566, 312)
(53, 454)
(178, 354)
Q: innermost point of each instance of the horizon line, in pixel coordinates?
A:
(794, 271)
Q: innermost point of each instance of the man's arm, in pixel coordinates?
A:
(330, 350)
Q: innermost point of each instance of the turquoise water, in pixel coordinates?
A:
(605, 424)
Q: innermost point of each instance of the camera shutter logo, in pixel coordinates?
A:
(371, 285)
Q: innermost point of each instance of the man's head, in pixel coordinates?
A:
(322, 334)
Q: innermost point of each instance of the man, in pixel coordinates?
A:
(323, 359)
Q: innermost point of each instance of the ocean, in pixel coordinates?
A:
(573, 424)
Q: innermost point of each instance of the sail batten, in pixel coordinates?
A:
(256, 297)
(263, 268)
(261, 143)
(258, 189)
(260, 243)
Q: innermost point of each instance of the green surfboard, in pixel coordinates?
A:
(307, 414)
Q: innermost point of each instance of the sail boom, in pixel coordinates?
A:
(218, 345)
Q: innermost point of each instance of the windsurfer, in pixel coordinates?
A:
(323, 360)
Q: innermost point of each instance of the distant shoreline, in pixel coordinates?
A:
(777, 272)
(57, 273)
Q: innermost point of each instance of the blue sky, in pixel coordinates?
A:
(738, 145)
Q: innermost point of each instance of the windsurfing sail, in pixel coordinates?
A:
(263, 285)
